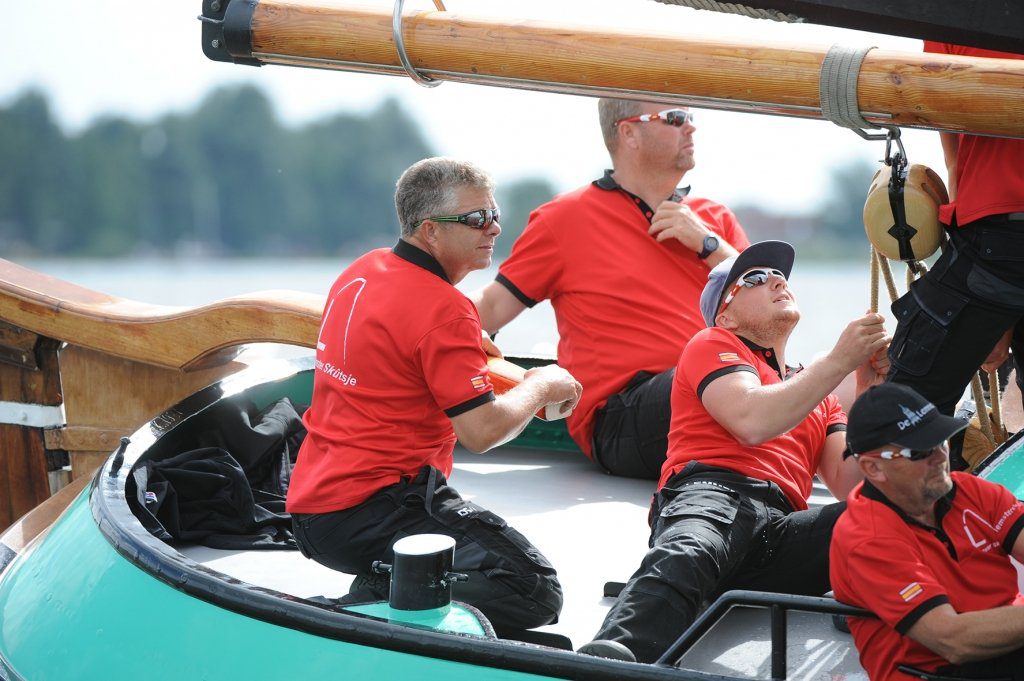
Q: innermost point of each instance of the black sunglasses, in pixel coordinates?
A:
(477, 219)
(907, 453)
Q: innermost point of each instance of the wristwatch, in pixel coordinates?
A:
(710, 246)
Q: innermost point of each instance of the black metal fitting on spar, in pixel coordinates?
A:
(227, 30)
(421, 576)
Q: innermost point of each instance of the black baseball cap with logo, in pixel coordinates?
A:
(895, 414)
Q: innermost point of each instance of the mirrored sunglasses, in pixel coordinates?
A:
(906, 453)
(674, 117)
(750, 279)
(477, 219)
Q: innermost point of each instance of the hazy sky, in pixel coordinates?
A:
(141, 59)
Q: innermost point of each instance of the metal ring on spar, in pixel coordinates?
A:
(396, 32)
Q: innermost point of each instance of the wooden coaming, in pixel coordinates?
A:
(123, 363)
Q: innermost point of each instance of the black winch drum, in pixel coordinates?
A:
(421, 576)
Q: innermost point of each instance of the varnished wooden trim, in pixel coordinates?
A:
(83, 438)
(171, 337)
(42, 516)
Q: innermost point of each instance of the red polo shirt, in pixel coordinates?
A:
(398, 355)
(989, 170)
(788, 460)
(886, 562)
(624, 303)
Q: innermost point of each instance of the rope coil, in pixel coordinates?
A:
(837, 91)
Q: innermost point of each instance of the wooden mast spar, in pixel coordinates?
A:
(917, 90)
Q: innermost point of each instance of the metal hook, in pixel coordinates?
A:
(396, 33)
(900, 158)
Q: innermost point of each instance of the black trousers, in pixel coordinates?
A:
(631, 430)
(952, 317)
(510, 581)
(713, 530)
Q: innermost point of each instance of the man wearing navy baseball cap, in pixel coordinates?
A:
(926, 550)
(748, 433)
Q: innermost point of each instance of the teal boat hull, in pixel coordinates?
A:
(98, 597)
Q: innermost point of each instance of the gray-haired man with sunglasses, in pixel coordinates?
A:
(623, 261)
(927, 551)
(400, 373)
(748, 434)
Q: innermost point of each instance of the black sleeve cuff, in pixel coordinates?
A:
(1012, 534)
(835, 428)
(514, 290)
(470, 404)
(904, 625)
(718, 373)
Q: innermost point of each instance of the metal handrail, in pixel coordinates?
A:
(779, 604)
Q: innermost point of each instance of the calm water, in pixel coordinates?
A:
(829, 294)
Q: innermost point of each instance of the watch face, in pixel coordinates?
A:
(710, 242)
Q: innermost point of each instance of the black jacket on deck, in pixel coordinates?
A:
(229, 492)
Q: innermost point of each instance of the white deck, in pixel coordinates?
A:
(593, 528)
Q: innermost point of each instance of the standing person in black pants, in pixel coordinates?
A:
(968, 309)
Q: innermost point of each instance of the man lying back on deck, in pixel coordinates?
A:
(623, 261)
(748, 433)
(926, 550)
(399, 374)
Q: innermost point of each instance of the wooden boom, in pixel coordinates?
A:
(941, 92)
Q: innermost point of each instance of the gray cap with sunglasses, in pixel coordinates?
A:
(895, 414)
(777, 255)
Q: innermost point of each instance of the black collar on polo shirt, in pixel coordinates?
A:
(768, 355)
(608, 183)
(942, 507)
(417, 256)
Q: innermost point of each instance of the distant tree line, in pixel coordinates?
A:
(229, 179)
(225, 179)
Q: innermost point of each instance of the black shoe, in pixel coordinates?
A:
(613, 650)
(368, 588)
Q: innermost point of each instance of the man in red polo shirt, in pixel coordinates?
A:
(399, 374)
(748, 433)
(623, 261)
(973, 297)
(925, 550)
